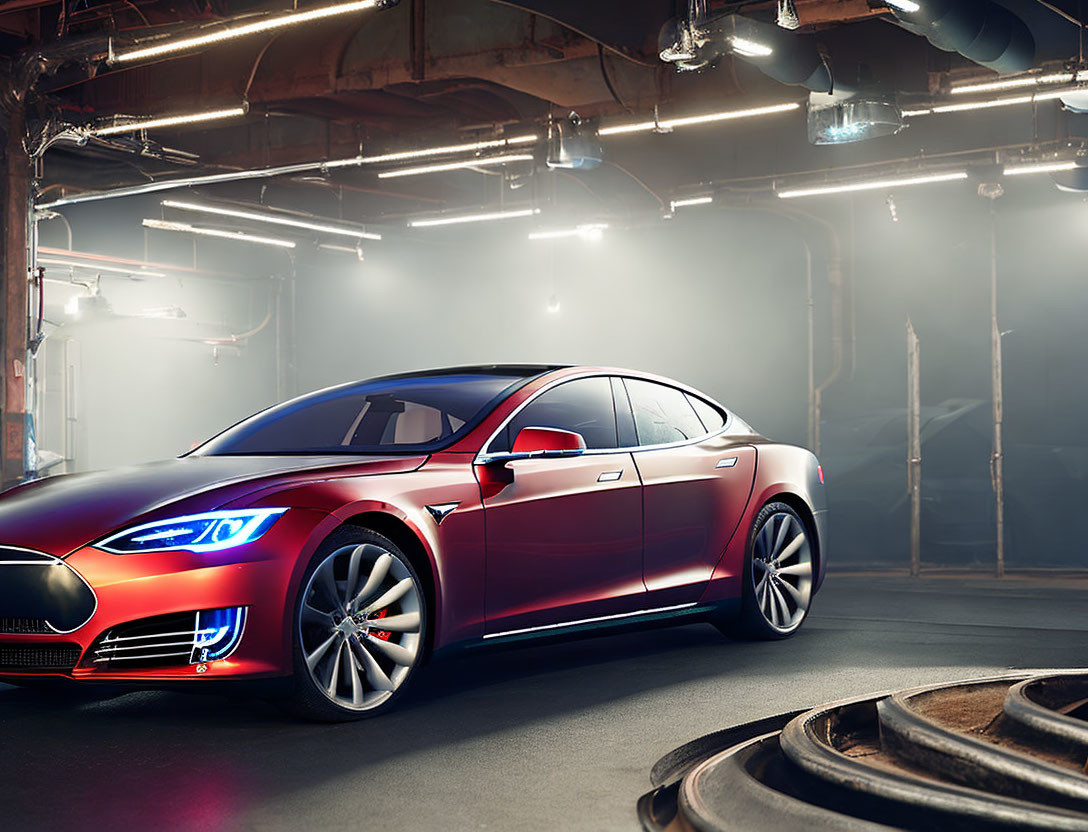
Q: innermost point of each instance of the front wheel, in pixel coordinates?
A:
(778, 572)
(360, 620)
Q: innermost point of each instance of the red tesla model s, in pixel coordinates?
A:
(336, 540)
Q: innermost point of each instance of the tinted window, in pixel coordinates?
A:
(712, 418)
(662, 414)
(395, 414)
(583, 406)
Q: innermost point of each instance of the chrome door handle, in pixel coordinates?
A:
(728, 462)
(610, 476)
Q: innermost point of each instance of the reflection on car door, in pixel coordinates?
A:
(694, 494)
(564, 539)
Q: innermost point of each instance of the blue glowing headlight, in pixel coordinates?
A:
(195, 533)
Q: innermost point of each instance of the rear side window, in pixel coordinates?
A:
(583, 406)
(662, 414)
(712, 418)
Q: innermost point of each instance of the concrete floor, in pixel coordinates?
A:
(550, 737)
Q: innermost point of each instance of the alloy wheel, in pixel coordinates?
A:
(782, 571)
(360, 625)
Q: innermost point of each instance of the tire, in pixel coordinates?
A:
(345, 667)
(776, 598)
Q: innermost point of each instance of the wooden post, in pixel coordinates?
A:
(914, 451)
(14, 320)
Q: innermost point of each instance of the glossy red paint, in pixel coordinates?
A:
(562, 544)
(692, 507)
(541, 440)
(532, 542)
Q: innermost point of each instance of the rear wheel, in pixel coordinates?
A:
(360, 621)
(778, 574)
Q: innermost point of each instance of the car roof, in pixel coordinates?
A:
(516, 370)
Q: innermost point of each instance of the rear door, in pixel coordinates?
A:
(564, 538)
(696, 485)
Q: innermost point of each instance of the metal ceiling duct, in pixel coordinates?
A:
(794, 59)
(983, 31)
(778, 53)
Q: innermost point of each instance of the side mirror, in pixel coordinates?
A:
(548, 442)
(530, 443)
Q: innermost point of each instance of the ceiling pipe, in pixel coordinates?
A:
(983, 31)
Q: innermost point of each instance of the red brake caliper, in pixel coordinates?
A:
(382, 634)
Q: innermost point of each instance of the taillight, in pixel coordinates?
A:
(820, 473)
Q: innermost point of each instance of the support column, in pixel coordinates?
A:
(914, 450)
(997, 458)
(13, 298)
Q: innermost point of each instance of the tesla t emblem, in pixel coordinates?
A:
(439, 511)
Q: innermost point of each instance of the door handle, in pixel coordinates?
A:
(610, 476)
(728, 462)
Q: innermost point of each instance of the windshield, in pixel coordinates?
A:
(390, 415)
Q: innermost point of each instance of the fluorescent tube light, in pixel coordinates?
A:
(237, 30)
(468, 163)
(750, 48)
(1021, 81)
(356, 252)
(96, 267)
(163, 225)
(448, 150)
(592, 233)
(223, 211)
(167, 121)
(668, 124)
(873, 184)
(279, 170)
(1039, 167)
(908, 6)
(987, 103)
(494, 215)
(695, 200)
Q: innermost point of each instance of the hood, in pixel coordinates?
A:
(62, 513)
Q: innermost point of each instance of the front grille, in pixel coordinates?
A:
(38, 656)
(24, 626)
(150, 642)
(36, 587)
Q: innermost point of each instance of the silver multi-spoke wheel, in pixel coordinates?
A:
(782, 571)
(360, 625)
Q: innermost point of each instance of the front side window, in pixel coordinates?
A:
(583, 406)
(421, 413)
(663, 415)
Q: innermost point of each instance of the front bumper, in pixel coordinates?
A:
(259, 576)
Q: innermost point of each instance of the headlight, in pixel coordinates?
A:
(195, 533)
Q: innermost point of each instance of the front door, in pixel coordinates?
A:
(564, 537)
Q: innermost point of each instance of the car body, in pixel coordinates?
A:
(475, 493)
